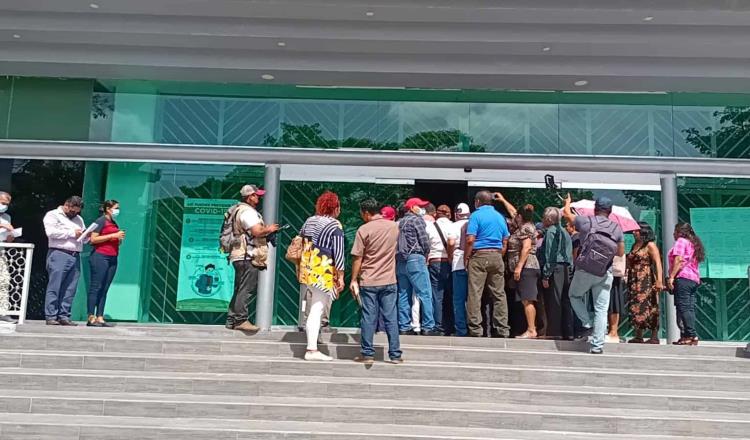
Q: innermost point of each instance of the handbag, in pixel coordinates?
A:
(294, 251)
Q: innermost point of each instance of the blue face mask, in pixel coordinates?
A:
(115, 213)
(3, 208)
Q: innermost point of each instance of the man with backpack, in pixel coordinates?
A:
(243, 237)
(601, 241)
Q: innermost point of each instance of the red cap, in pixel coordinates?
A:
(388, 213)
(415, 201)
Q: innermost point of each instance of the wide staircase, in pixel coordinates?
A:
(183, 382)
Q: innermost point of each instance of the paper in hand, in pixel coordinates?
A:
(86, 233)
(17, 232)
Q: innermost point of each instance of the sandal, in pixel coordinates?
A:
(526, 335)
(654, 341)
(636, 341)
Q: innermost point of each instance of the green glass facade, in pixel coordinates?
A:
(651, 125)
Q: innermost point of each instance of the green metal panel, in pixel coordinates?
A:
(171, 184)
(297, 204)
(723, 307)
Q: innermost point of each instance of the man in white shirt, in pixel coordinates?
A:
(456, 245)
(249, 229)
(6, 236)
(63, 226)
(438, 261)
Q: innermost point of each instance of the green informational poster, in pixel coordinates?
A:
(205, 280)
(724, 232)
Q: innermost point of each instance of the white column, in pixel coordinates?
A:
(267, 279)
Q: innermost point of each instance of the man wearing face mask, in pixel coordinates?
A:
(411, 267)
(6, 236)
(63, 226)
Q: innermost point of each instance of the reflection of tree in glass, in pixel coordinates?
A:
(730, 140)
(311, 135)
(102, 105)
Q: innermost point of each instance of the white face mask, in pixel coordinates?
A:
(115, 213)
(3, 208)
(422, 211)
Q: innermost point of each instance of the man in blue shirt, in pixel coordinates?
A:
(486, 241)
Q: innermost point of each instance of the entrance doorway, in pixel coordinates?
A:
(442, 192)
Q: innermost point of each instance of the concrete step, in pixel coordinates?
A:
(64, 427)
(539, 374)
(406, 412)
(651, 360)
(213, 333)
(423, 389)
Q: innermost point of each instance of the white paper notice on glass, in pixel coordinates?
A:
(17, 232)
(87, 232)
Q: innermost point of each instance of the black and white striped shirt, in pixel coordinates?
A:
(327, 234)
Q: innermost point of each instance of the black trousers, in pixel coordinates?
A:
(245, 284)
(557, 303)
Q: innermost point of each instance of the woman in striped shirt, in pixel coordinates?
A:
(321, 265)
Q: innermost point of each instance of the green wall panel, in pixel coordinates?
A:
(723, 306)
(43, 108)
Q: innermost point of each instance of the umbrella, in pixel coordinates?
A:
(619, 215)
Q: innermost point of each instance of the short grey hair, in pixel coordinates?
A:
(552, 215)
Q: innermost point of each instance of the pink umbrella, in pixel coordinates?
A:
(620, 214)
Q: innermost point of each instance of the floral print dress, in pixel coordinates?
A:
(643, 297)
(322, 253)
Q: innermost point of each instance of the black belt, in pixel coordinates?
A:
(71, 253)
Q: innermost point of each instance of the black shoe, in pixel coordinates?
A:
(408, 333)
(53, 322)
(499, 335)
(432, 333)
(8, 319)
(94, 324)
(106, 324)
(584, 335)
(229, 325)
(67, 323)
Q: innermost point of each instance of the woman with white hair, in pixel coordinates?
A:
(557, 258)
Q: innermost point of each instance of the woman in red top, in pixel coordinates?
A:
(106, 240)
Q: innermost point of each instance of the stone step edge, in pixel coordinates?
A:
(98, 424)
(379, 381)
(381, 404)
(213, 357)
(463, 348)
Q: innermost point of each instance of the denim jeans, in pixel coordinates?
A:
(460, 290)
(377, 300)
(440, 278)
(64, 270)
(412, 273)
(103, 268)
(600, 287)
(684, 300)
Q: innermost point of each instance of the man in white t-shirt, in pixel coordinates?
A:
(6, 236)
(456, 244)
(438, 261)
(249, 229)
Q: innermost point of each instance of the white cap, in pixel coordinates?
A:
(462, 210)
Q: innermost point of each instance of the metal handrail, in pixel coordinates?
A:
(28, 254)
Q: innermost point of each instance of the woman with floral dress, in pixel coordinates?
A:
(321, 265)
(644, 279)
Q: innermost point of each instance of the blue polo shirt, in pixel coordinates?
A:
(489, 228)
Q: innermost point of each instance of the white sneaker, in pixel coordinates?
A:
(611, 340)
(317, 356)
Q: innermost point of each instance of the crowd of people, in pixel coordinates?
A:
(418, 269)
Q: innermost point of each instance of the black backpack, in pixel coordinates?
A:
(599, 248)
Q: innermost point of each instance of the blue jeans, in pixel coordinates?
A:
(460, 291)
(103, 268)
(412, 273)
(63, 270)
(440, 278)
(600, 291)
(684, 300)
(377, 300)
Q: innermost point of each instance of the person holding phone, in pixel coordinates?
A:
(105, 238)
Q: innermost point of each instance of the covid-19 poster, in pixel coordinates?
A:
(205, 280)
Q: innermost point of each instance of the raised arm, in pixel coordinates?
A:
(512, 211)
